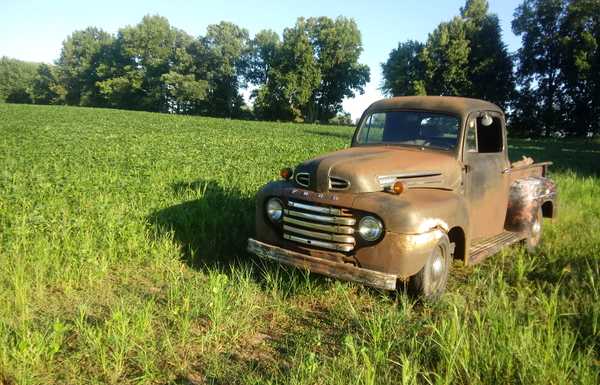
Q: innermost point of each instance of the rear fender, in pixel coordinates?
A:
(526, 197)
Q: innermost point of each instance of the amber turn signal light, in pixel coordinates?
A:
(398, 187)
(286, 173)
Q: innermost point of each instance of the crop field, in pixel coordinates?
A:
(122, 261)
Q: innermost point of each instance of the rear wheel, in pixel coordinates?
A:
(431, 281)
(534, 237)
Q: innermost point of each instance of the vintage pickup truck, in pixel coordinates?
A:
(426, 180)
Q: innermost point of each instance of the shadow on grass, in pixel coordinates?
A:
(212, 233)
(212, 230)
(578, 156)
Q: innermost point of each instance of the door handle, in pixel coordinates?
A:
(466, 168)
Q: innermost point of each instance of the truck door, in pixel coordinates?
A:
(485, 168)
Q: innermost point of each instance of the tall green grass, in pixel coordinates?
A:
(122, 260)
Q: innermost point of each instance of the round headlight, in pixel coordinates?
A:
(370, 228)
(274, 209)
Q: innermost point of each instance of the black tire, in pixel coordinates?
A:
(534, 233)
(430, 282)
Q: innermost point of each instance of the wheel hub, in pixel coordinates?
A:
(535, 229)
(437, 267)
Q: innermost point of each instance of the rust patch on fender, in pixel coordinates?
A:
(526, 196)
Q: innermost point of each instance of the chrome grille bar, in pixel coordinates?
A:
(317, 226)
(317, 209)
(325, 245)
(315, 234)
(321, 218)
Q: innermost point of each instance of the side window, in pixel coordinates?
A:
(471, 141)
(489, 134)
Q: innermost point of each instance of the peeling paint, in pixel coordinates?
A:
(525, 198)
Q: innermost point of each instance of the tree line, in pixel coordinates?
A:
(302, 75)
(551, 85)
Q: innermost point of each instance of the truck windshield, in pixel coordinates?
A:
(414, 128)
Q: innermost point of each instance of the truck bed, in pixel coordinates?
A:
(528, 170)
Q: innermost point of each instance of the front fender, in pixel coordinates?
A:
(416, 211)
(264, 229)
(414, 222)
(400, 254)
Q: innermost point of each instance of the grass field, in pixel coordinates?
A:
(122, 260)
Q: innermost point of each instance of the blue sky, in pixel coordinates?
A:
(34, 30)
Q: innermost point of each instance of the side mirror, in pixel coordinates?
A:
(486, 120)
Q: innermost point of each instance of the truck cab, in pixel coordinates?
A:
(426, 180)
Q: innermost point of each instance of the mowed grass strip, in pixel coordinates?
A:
(122, 260)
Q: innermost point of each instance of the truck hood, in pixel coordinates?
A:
(369, 169)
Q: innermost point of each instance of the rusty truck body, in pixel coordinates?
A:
(426, 180)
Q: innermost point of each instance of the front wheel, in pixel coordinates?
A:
(430, 282)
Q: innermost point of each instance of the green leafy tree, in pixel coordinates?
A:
(271, 101)
(16, 78)
(223, 54)
(337, 45)
(288, 78)
(307, 76)
(446, 59)
(265, 62)
(558, 67)
(526, 118)
(80, 57)
(538, 70)
(263, 55)
(144, 52)
(404, 72)
(151, 67)
(47, 87)
(186, 88)
(124, 89)
(184, 92)
(465, 56)
(490, 66)
(342, 119)
(298, 71)
(580, 65)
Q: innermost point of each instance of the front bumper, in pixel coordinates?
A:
(339, 270)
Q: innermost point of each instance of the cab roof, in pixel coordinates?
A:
(448, 104)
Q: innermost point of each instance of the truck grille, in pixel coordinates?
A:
(319, 226)
(303, 179)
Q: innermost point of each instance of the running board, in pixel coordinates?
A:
(487, 246)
